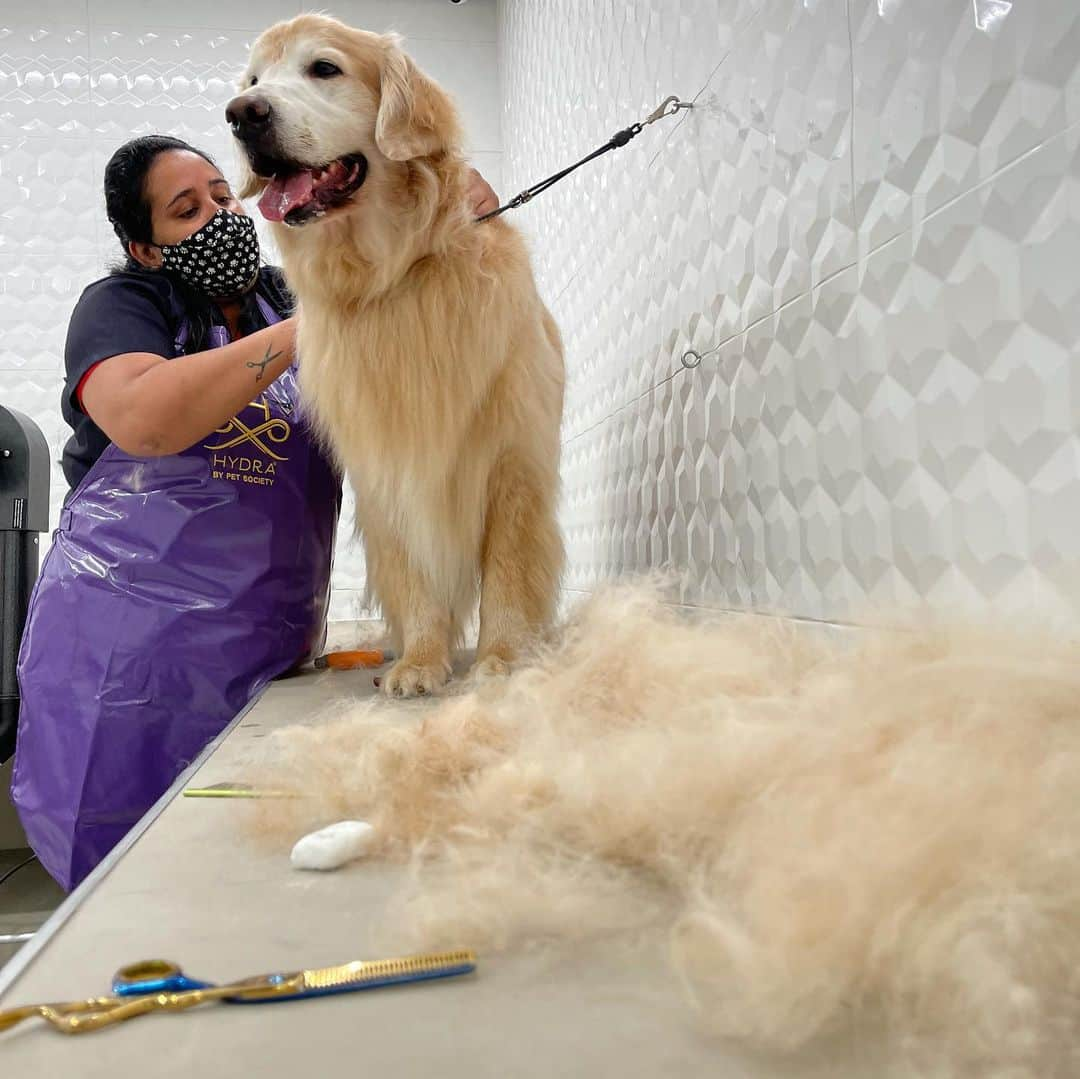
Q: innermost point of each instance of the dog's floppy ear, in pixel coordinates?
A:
(416, 117)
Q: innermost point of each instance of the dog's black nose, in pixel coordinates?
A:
(248, 113)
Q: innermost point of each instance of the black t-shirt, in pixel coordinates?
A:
(127, 312)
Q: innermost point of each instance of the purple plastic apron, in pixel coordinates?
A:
(175, 588)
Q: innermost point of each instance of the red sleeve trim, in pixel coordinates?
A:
(82, 382)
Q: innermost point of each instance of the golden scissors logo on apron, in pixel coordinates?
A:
(269, 429)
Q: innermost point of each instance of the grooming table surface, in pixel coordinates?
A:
(192, 889)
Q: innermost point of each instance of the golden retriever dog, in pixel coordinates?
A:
(430, 366)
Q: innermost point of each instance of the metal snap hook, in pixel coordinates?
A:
(668, 107)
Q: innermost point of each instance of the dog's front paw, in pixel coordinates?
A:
(409, 679)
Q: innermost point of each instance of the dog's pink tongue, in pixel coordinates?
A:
(281, 196)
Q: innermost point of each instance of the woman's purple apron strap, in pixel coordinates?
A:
(219, 335)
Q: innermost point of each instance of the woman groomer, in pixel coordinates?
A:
(191, 564)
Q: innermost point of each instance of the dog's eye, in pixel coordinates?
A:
(323, 69)
(254, 79)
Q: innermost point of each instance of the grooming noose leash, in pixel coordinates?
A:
(668, 107)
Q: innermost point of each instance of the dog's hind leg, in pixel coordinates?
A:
(419, 624)
(520, 564)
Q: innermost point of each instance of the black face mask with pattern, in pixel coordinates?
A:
(221, 259)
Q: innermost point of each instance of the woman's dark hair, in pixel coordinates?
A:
(129, 213)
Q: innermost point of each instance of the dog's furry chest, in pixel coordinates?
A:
(391, 386)
(402, 412)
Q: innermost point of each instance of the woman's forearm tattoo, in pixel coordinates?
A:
(262, 364)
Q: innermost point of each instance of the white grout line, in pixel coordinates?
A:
(851, 127)
(749, 612)
(949, 203)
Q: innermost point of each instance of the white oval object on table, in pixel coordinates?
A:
(333, 846)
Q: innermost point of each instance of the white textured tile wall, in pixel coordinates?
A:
(79, 77)
(871, 219)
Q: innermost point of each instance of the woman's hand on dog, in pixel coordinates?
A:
(481, 194)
